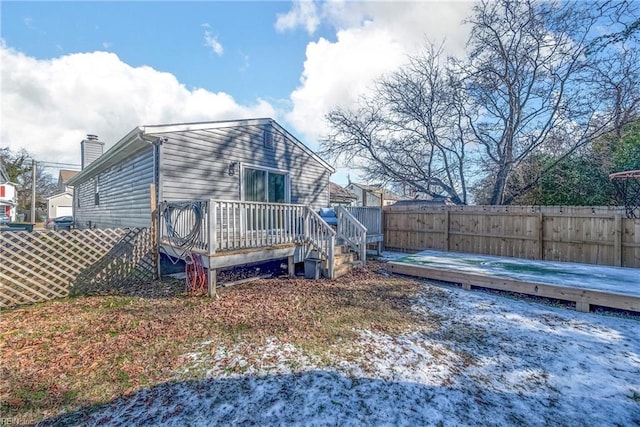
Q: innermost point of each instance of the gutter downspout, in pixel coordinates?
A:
(155, 199)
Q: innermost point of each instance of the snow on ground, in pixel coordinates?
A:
(493, 361)
(570, 274)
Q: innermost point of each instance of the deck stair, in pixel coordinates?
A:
(344, 260)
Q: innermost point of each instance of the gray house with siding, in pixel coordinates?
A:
(248, 160)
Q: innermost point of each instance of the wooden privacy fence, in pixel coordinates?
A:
(592, 235)
(44, 265)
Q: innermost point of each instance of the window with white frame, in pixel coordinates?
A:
(265, 185)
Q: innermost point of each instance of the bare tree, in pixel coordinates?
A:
(616, 81)
(528, 77)
(19, 168)
(539, 79)
(410, 133)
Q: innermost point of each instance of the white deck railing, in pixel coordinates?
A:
(244, 225)
(214, 226)
(352, 232)
(370, 217)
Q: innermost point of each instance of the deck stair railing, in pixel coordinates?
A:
(352, 232)
(321, 237)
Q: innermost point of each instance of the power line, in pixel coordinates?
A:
(58, 164)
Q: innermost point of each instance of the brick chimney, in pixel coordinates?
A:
(90, 149)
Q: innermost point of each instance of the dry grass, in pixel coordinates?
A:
(84, 351)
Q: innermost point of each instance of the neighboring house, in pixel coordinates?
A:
(60, 205)
(339, 195)
(369, 195)
(8, 194)
(251, 160)
(65, 176)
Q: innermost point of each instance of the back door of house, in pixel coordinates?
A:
(264, 185)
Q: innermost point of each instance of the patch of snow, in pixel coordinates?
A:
(488, 360)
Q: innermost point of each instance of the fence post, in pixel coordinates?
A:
(617, 241)
(447, 222)
(540, 237)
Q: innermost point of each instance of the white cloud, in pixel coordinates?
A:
(372, 38)
(303, 14)
(48, 106)
(212, 41)
(335, 74)
(107, 45)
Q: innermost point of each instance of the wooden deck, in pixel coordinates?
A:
(583, 284)
(229, 233)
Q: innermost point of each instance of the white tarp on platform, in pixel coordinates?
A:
(584, 276)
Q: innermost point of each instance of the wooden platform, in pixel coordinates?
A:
(583, 284)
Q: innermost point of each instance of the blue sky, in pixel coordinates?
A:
(72, 68)
(256, 61)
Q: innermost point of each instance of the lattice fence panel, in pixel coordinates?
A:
(130, 262)
(43, 265)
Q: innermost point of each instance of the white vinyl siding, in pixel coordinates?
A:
(195, 164)
(124, 195)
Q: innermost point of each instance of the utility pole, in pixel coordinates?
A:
(33, 191)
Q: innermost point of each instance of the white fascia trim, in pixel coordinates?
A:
(182, 127)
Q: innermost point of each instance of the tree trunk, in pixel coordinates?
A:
(497, 195)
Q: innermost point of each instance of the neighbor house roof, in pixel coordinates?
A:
(142, 136)
(66, 193)
(66, 175)
(339, 194)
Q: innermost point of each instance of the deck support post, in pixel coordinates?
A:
(212, 275)
(582, 306)
(291, 266)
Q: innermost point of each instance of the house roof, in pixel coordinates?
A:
(388, 195)
(142, 136)
(337, 194)
(66, 193)
(66, 175)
